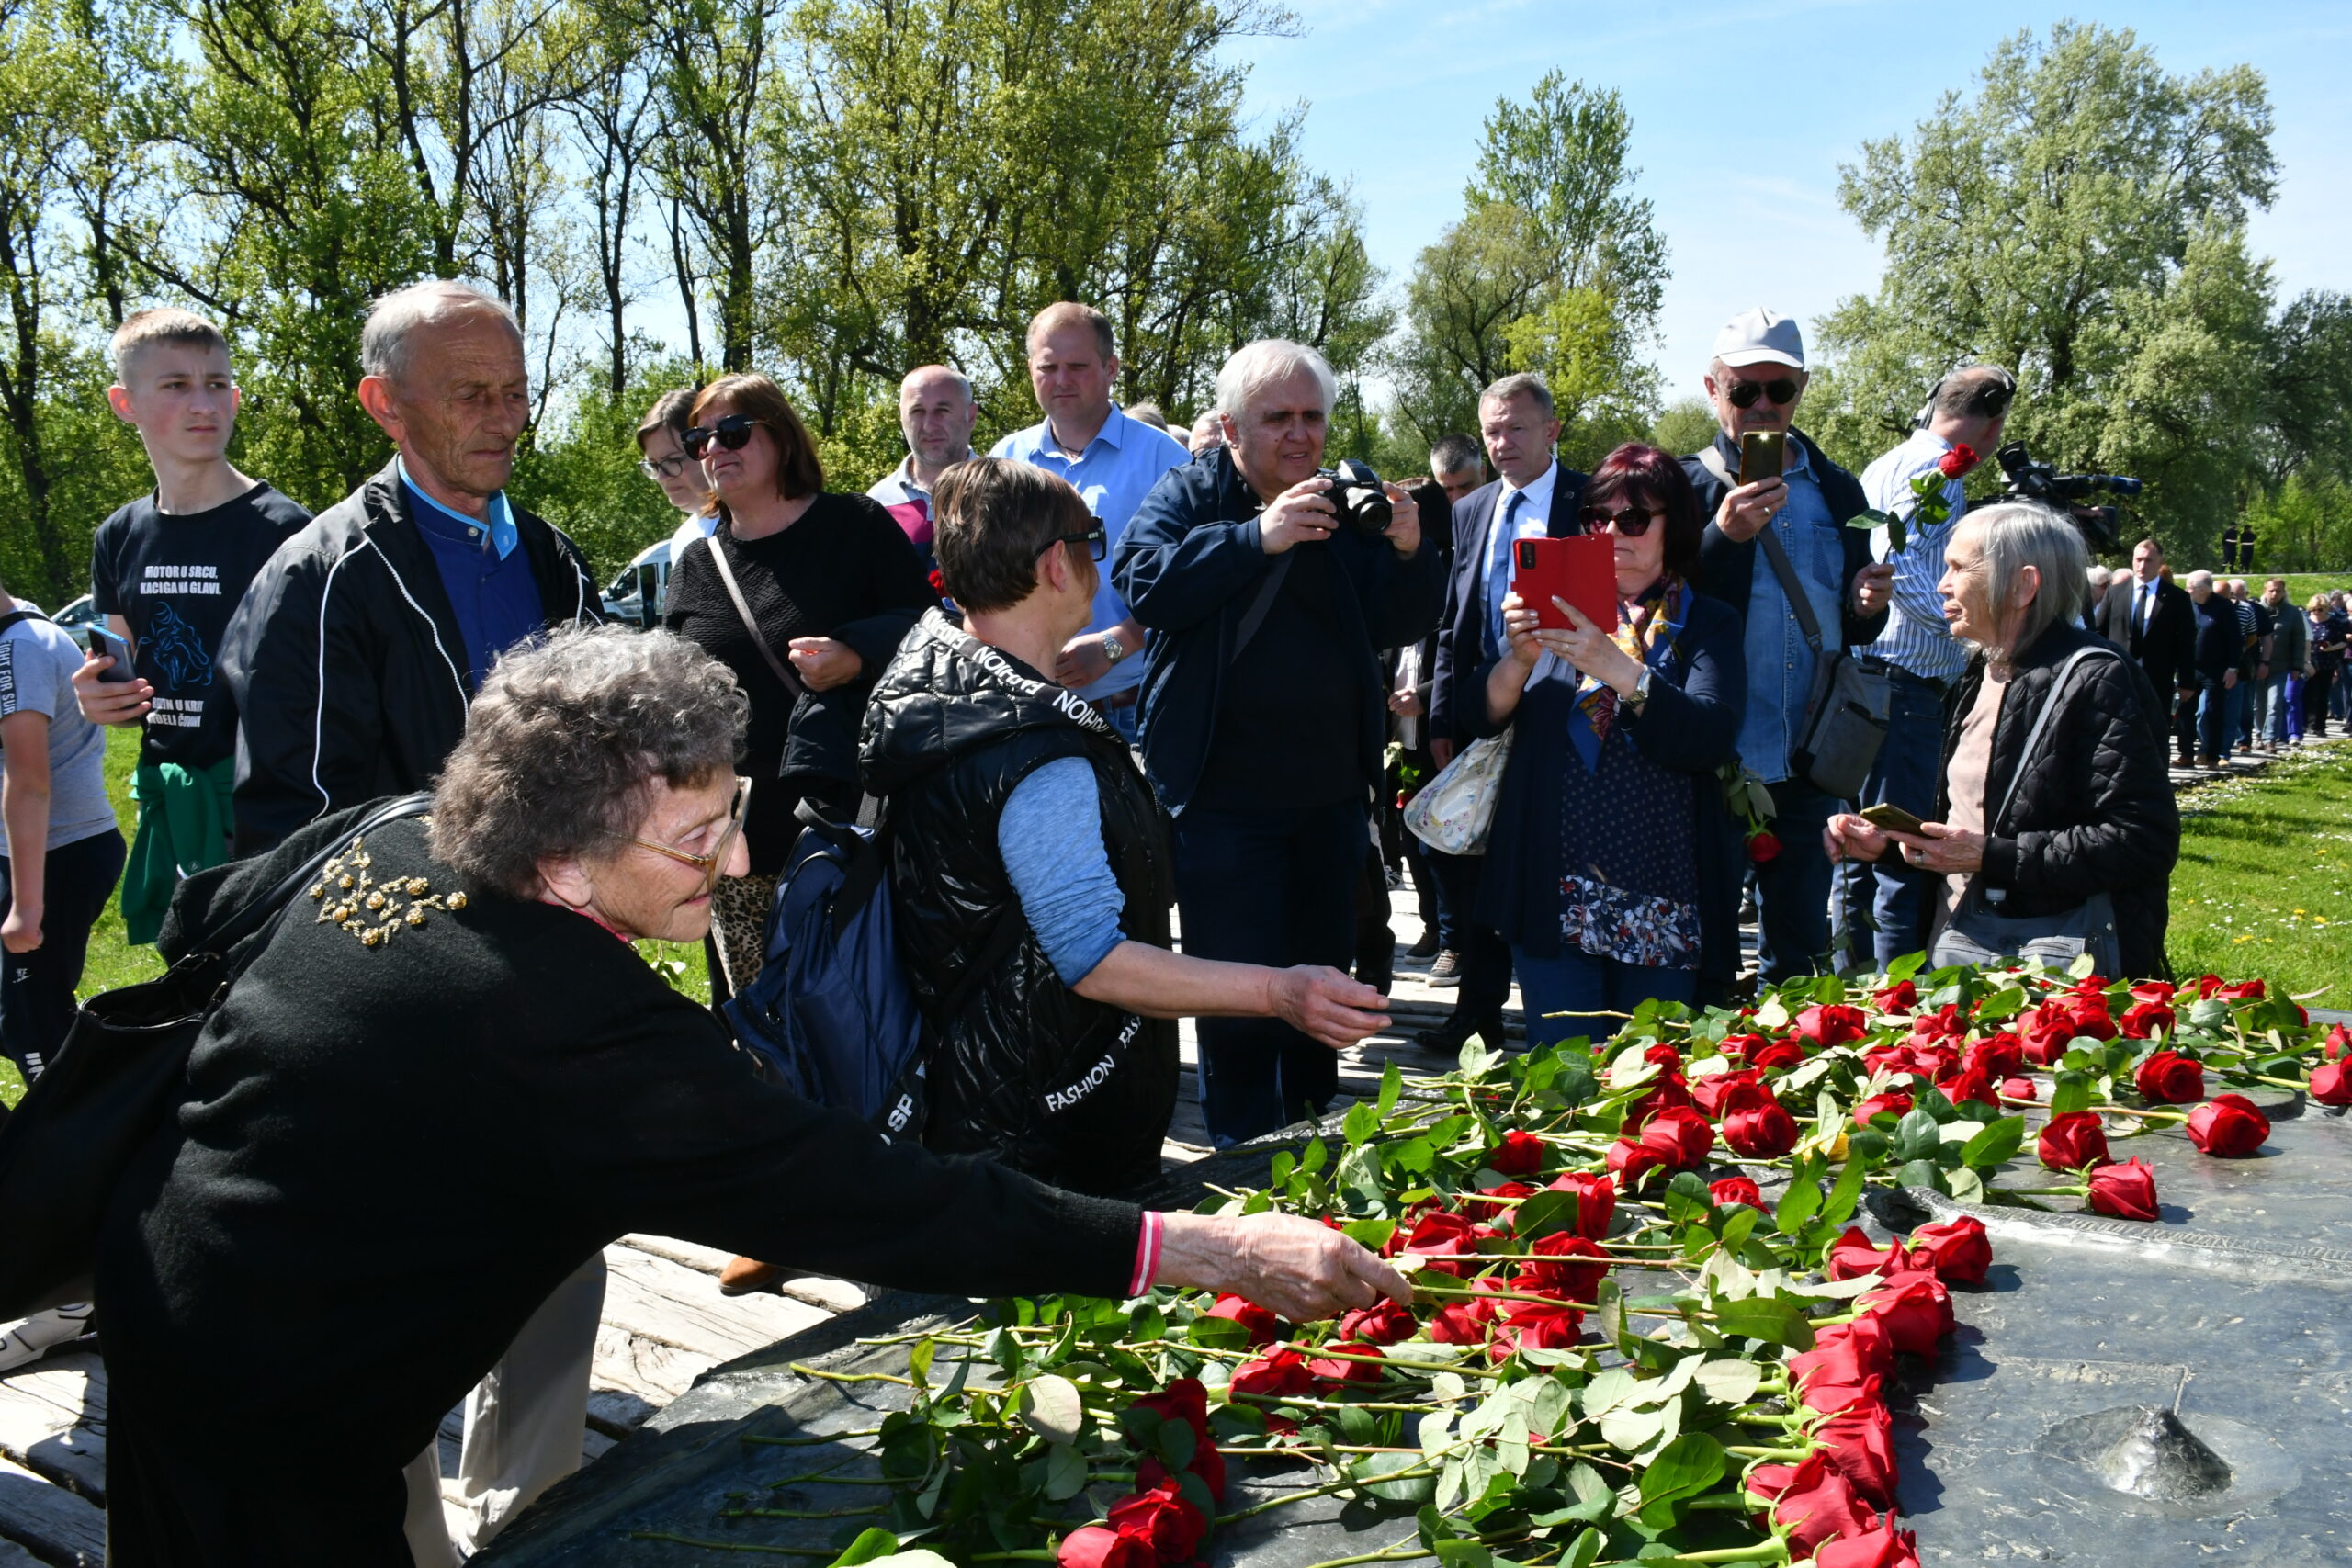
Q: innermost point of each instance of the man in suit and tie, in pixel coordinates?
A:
(1534, 496)
(2149, 616)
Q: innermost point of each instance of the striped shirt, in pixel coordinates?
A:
(1917, 639)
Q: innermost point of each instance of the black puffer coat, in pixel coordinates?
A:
(2095, 812)
(1074, 1093)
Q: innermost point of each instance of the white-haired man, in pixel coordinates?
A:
(1264, 707)
(935, 414)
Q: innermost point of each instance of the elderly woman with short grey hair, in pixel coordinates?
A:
(1264, 708)
(446, 1078)
(2054, 789)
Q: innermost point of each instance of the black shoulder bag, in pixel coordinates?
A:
(119, 1075)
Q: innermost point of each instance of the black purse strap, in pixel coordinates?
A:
(1800, 605)
(2033, 735)
(777, 667)
(265, 909)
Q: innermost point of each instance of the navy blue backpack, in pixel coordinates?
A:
(831, 1012)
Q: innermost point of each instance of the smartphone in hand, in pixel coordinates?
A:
(103, 641)
(1581, 569)
(1890, 818)
(1762, 454)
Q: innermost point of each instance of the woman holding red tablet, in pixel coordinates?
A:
(1612, 851)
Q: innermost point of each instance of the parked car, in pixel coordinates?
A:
(641, 584)
(77, 619)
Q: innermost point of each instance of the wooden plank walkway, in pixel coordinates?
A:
(666, 1322)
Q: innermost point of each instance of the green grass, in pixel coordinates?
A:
(2261, 887)
(2301, 585)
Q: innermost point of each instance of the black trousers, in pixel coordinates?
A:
(36, 1005)
(1485, 955)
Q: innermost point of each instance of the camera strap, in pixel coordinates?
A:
(1255, 615)
(1800, 605)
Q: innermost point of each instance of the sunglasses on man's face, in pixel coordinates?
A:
(1782, 390)
(1096, 539)
(1632, 522)
(733, 432)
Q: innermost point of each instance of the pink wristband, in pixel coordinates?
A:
(1146, 1252)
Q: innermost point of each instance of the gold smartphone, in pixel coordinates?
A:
(1890, 818)
(1761, 455)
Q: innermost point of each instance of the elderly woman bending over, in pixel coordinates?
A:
(2091, 810)
(434, 1091)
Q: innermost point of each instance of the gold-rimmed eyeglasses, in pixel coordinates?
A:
(714, 865)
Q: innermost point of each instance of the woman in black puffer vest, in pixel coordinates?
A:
(2093, 811)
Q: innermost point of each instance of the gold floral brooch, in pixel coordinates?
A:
(350, 896)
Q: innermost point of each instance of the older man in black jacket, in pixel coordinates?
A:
(2148, 617)
(1264, 711)
(1755, 382)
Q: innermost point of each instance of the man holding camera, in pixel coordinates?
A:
(1268, 591)
(1880, 903)
(1755, 381)
(1533, 498)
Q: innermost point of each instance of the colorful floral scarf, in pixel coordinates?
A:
(1658, 612)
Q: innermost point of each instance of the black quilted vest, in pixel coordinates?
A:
(1075, 1092)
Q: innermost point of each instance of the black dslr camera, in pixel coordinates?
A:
(2071, 492)
(1356, 495)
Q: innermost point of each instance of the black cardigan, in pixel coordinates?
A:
(2095, 813)
(387, 1155)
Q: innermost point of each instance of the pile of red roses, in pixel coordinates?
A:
(1155, 1526)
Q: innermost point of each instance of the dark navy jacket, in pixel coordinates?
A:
(1188, 565)
(1727, 566)
(1460, 643)
(1689, 724)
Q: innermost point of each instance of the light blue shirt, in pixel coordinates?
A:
(1530, 520)
(501, 522)
(1112, 475)
(1050, 834)
(1916, 637)
(1779, 663)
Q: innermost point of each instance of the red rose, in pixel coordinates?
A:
(2018, 1088)
(1956, 462)
(1442, 1234)
(1845, 1352)
(1972, 1082)
(1720, 1094)
(1520, 1154)
(1161, 1519)
(1596, 1198)
(1383, 1323)
(1477, 1209)
(1897, 1105)
(1999, 1055)
(1832, 1024)
(2073, 1141)
(1528, 1326)
(1860, 1443)
(2207, 984)
(1901, 997)
(2091, 1017)
(1740, 1044)
(1944, 1023)
(2167, 1077)
(1184, 1400)
(1096, 1546)
(1629, 1162)
(1666, 1093)
(1957, 1252)
(1569, 1264)
(1824, 1396)
(2125, 1192)
(2338, 1041)
(2228, 1126)
(1332, 1373)
(1679, 1137)
(1785, 1052)
(2143, 1021)
(1735, 1190)
(2243, 991)
(1879, 1545)
(1814, 1501)
(1917, 1310)
(1763, 846)
(1462, 1321)
(1765, 1133)
(938, 583)
(2332, 1083)
(1852, 1256)
(1263, 1325)
(1664, 1056)
(1277, 1374)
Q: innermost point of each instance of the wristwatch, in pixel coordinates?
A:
(1112, 648)
(1641, 689)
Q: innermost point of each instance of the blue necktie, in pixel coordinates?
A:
(1498, 574)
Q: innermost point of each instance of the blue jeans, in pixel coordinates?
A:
(2213, 717)
(2271, 707)
(1882, 907)
(1276, 887)
(1574, 981)
(1127, 721)
(1792, 887)
(2290, 712)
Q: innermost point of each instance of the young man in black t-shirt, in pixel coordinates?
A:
(166, 571)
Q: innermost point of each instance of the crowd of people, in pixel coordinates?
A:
(1098, 673)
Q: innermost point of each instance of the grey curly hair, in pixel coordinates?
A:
(565, 740)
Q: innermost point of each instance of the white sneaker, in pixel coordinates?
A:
(34, 1337)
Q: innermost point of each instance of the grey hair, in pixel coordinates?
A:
(1973, 393)
(2013, 535)
(563, 744)
(1254, 367)
(1525, 383)
(2200, 576)
(1452, 454)
(393, 320)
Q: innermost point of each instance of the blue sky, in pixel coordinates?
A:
(1742, 114)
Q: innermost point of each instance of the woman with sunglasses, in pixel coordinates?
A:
(1611, 832)
(804, 593)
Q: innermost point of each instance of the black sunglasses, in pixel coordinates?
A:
(733, 432)
(1632, 522)
(1782, 390)
(1096, 539)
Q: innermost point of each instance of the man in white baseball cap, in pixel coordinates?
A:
(1754, 383)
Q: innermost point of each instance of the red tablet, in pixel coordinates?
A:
(1582, 570)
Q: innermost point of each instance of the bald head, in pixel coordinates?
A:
(936, 414)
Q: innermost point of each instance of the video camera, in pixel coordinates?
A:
(2043, 482)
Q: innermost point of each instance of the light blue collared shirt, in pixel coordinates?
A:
(1112, 475)
(501, 522)
(1916, 637)
(1533, 520)
(1780, 664)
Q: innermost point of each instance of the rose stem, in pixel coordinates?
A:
(800, 1513)
(1312, 1492)
(803, 1442)
(807, 1372)
(825, 1551)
